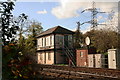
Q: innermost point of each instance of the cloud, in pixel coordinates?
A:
(67, 10)
(100, 17)
(72, 8)
(107, 6)
(85, 30)
(42, 12)
(110, 24)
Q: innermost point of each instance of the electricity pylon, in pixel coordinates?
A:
(94, 11)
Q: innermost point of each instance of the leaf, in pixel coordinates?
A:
(16, 77)
(25, 77)
(20, 75)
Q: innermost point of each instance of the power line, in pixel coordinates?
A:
(94, 11)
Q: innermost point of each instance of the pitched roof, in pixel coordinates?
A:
(57, 30)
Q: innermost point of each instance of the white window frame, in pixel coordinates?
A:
(81, 54)
(49, 56)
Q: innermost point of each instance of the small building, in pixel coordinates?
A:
(95, 60)
(88, 58)
(98, 60)
(91, 60)
(91, 57)
(82, 57)
(114, 58)
(54, 46)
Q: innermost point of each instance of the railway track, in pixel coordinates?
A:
(67, 72)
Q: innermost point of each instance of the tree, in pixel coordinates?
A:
(9, 30)
(8, 27)
(34, 29)
(21, 21)
(103, 39)
(15, 64)
(27, 44)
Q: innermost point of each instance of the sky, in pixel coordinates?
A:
(64, 13)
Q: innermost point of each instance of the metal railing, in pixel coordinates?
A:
(70, 54)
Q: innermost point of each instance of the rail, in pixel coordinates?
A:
(111, 73)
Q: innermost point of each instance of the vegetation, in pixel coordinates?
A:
(15, 57)
(103, 39)
(8, 27)
(17, 53)
(30, 42)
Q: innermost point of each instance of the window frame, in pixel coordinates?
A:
(49, 56)
(81, 54)
(41, 57)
